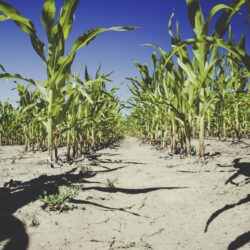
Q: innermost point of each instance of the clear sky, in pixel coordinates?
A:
(116, 51)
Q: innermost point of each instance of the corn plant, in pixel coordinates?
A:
(31, 113)
(8, 133)
(57, 63)
(162, 100)
(78, 115)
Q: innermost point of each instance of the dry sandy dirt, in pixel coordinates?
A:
(159, 200)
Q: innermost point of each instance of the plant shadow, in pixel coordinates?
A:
(243, 168)
(242, 239)
(16, 194)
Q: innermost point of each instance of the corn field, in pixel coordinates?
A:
(82, 168)
(196, 90)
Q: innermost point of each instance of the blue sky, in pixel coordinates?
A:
(116, 51)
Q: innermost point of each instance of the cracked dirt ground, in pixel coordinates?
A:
(159, 201)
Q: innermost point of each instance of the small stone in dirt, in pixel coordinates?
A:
(112, 242)
(34, 222)
(147, 246)
(169, 166)
(94, 240)
(129, 245)
(211, 154)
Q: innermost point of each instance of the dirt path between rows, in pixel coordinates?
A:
(159, 200)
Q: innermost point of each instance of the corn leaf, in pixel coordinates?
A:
(195, 16)
(224, 20)
(48, 16)
(16, 76)
(2, 68)
(66, 17)
(82, 41)
(213, 11)
(25, 25)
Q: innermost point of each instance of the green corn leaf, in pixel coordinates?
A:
(246, 75)
(235, 50)
(242, 42)
(208, 69)
(195, 16)
(66, 17)
(25, 25)
(114, 90)
(91, 82)
(169, 64)
(97, 75)
(87, 37)
(87, 77)
(248, 6)
(170, 31)
(44, 92)
(213, 11)
(48, 16)
(76, 76)
(2, 68)
(224, 20)
(231, 36)
(83, 41)
(85, 94)
(208, 102)
(154, 59)
(56, 48)
(4, 18)
(16, 76)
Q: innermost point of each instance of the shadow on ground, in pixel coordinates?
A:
(129, 191)
(240, 241)
(243, 168)
(15, 194)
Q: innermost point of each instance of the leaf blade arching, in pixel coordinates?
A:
(83, 41)
(90, 35)
(25, 25)
(235, 50)
(224, 20)
(3, 18)
(16, 76)
(213, 11)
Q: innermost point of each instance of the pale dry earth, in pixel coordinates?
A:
(160, 201)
